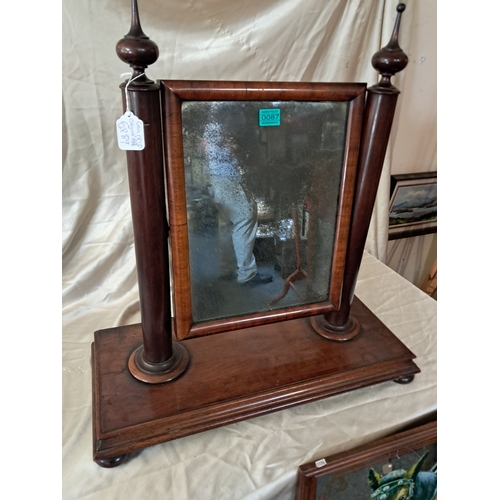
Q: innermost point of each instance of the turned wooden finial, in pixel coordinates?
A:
(390, 59)
(136, 49)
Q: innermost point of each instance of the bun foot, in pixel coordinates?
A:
(405, 380)
(108, 463)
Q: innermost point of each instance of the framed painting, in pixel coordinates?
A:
(260, 181)
(413, 205)
(403, 465)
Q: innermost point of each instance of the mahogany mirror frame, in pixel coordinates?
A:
(174, 93)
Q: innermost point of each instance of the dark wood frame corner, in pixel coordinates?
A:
(149, 388)
(343, 463)
(174, 92)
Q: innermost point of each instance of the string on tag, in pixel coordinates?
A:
(127, 112)
(130, 128)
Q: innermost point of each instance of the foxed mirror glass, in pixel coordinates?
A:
(266, 192)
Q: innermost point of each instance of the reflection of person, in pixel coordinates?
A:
(236, 207)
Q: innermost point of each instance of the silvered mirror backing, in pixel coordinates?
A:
(262, 189)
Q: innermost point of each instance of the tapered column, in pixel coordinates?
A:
(159, 359)
(379, 113)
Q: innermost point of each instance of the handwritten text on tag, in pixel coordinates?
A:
(130, 132)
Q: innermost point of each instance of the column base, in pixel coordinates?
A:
(159, 373)
(342, 333)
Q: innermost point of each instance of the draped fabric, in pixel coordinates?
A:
(287, 40)
(268, 40)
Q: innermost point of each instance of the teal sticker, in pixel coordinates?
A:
(269, 117)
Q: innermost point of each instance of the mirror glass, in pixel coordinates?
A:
(262, 189)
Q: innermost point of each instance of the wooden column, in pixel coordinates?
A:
(159, 359)
(380, 106)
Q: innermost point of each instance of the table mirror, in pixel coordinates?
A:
(250, 203)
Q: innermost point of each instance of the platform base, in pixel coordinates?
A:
(231, 377)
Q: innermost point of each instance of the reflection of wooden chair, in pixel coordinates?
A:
(299, 273)
(429, 286)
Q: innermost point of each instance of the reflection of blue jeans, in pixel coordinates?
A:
(236, 207)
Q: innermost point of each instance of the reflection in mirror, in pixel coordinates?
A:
(262, 188)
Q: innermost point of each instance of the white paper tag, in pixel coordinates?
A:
(130, 132)
(320, 463)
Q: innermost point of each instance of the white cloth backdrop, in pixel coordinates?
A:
(281, 40)
(272, 40)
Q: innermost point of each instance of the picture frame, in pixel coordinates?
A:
(306, 112)
(405, 460)
(413, 205)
